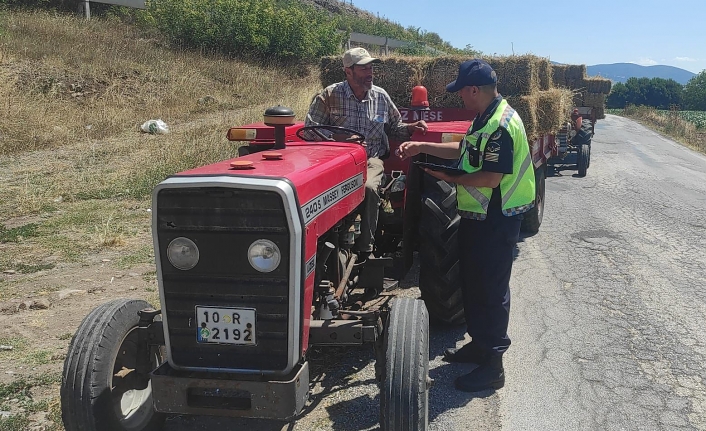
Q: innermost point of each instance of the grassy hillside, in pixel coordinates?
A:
(289, 29)
(74, 95)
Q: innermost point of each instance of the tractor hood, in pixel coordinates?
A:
(310, 167)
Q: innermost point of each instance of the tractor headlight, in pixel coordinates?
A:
(183, 253)
(264, 255)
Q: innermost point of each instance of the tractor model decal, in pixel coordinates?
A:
(310, 266)
(327, 199)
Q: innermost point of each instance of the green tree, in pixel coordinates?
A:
(618, 97)
(663, 93)
(656, 92)
(695, 93)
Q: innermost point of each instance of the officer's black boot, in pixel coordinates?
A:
(469, 353)
(490, 375)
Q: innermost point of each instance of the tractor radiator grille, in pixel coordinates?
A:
(223, 222)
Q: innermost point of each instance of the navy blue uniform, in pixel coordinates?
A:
(487, 252)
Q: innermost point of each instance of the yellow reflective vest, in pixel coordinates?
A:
(517, 190)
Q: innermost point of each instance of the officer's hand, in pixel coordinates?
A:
(409, 149)
(440, 175)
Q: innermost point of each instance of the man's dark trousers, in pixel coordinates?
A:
(487, 250)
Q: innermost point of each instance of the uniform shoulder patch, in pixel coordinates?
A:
(492, 147)
(496, 146)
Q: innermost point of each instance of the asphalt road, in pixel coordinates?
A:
(609, 311)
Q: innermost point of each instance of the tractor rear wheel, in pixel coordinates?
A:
(404, 392)
(439, 276)
(98, 389)
(584, 152)
(533, 218)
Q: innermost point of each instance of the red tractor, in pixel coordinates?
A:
(573, 142)
(255, 265)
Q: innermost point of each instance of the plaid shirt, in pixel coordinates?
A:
(375, 116)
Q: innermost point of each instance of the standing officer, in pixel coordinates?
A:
(497, 188)
(359, 105)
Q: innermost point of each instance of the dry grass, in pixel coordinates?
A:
(672, 125)
(700, 142)
(65, 79)
(73, 95)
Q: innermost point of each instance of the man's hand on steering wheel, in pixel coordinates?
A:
(335, 134)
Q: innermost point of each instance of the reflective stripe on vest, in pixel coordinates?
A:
(517, 190)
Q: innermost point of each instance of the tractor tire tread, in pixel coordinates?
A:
(404, 398)
(532, 219)
(439, 271)
(85, 365)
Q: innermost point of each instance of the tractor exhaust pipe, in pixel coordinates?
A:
(279, 117)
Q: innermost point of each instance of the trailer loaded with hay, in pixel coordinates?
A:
(573, 141)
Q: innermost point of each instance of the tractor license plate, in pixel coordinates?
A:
(225, 325)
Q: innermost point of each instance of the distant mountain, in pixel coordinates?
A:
(620, 72)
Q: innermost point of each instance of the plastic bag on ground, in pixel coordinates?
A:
(155, 127)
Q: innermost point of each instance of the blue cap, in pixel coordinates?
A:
(473, 73)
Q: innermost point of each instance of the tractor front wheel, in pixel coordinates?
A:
(584, 152)
(404, 392)
(99, 388)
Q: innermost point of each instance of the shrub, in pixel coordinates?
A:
(283, 29)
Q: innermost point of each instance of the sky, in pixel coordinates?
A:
(645, 32)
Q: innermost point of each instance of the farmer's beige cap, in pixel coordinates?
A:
(359, 56)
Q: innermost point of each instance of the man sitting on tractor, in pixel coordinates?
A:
(359, 105)
(576, 119)
(582, 129)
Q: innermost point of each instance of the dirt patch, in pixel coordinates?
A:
(35, 340)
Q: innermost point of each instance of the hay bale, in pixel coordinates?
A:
(597, 84)
(526, 107)
(575, 71)
(553, 109)
(594, 99)
(398, 75)
(576, 84)
(559, 75)
(545, 75)
(517, 75)
(600, 113)
(436, 74)
(543, 112)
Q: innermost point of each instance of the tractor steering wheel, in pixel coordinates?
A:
(348, 134)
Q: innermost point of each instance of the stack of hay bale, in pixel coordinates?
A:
(526, 82)
(590, 92)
